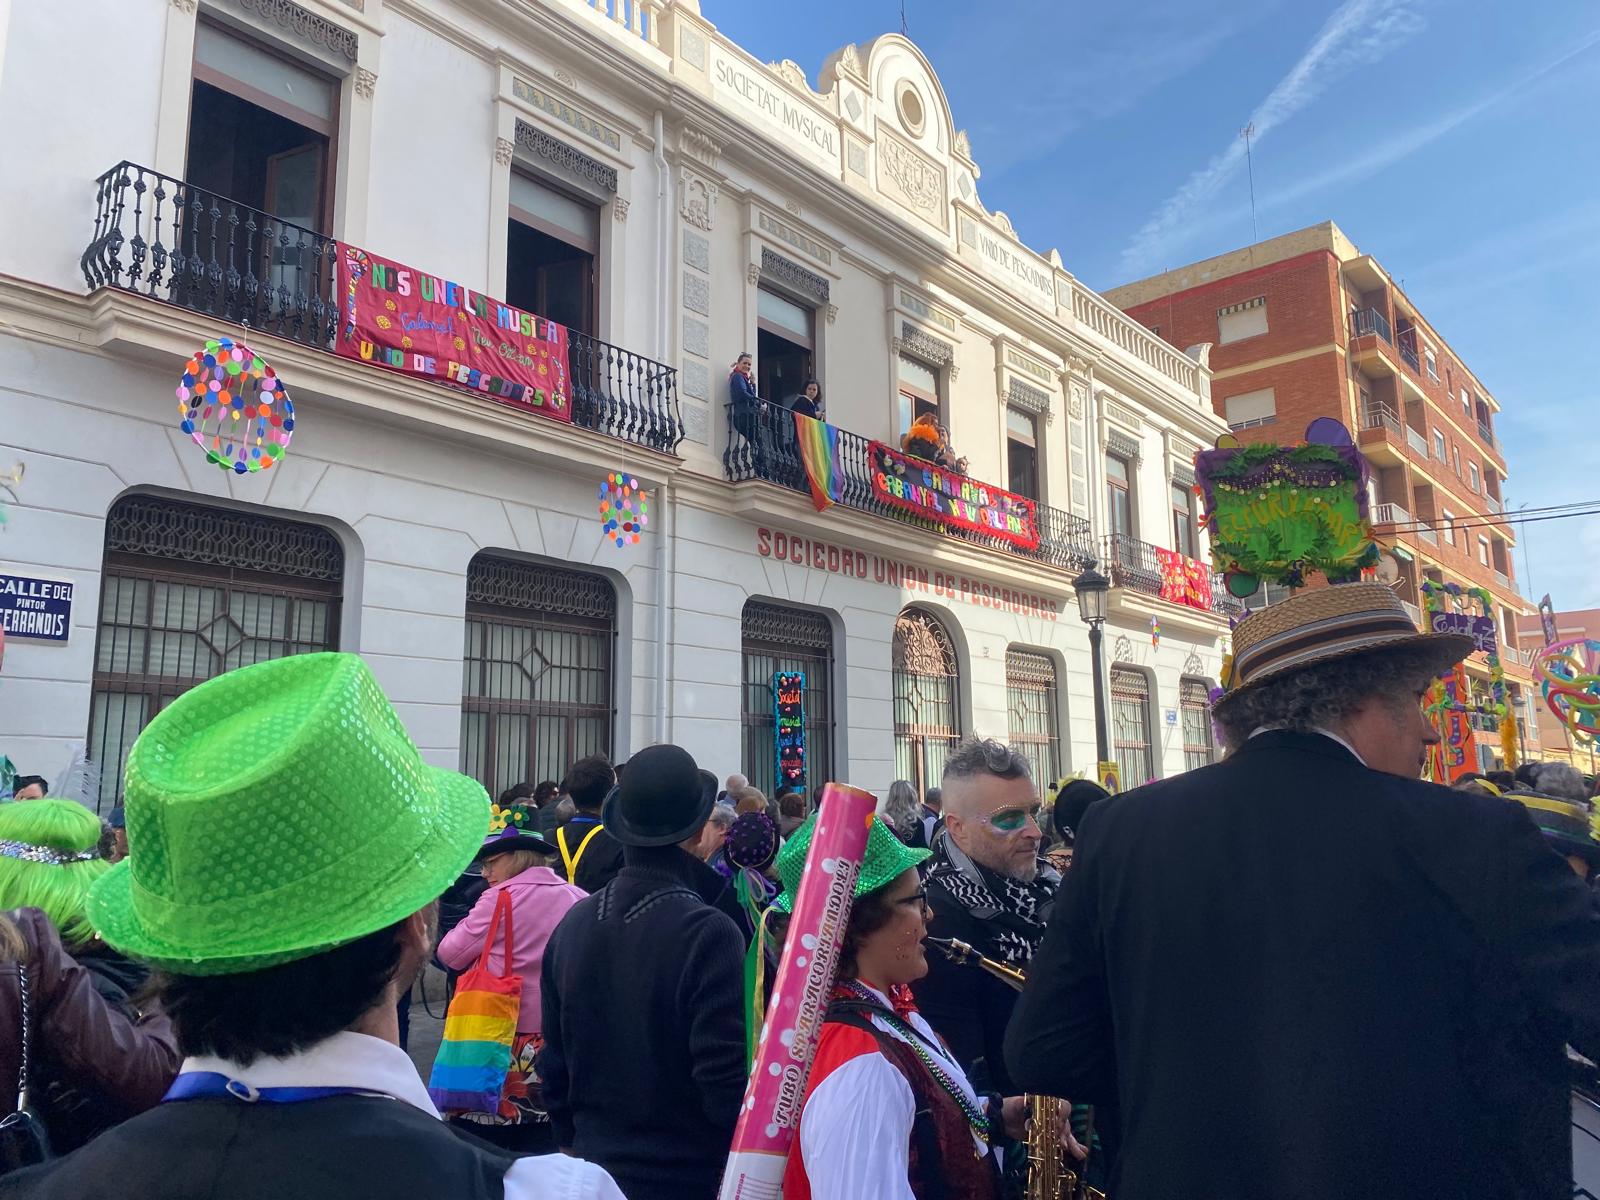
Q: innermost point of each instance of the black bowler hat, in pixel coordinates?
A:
(663, 799)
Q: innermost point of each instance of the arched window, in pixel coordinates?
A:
(1130, 726)
(927, 698)
(1199, 749)
(1031, 713)
(537, 684)
(188, 592)
(777, 637)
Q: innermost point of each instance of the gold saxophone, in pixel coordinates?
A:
(1049, 1176)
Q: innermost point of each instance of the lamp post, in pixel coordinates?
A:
(1091, 588)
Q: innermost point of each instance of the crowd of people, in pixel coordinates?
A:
(1299, 972)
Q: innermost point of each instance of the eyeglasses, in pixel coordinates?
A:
(1011, 820)
(917, 899)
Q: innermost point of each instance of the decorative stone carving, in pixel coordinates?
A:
(752, 274)
(303, 23)
(1120, 443)
(697, 200)
(1003, 223)
(567, 114)
(1075, 401)
(791, 73)
(693, 47)
(619, 209)
(566, 157)
(700, 146)
(563, 77)
(963, 148)
(955, 372)
(1201, 353)
(1028, 398)
(503, 149)
(850, 62)
(1183, 475)
(918, 183)
(1118, 411)
(923, 345)
(1194, 666)
(187, 6)
(793, 276)
(792, 207)
(1077, 364)
(366, 81)
(1122, 649)
(833, 311)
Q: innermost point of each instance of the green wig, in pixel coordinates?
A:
(48, 858)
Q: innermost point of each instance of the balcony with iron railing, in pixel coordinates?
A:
(1390, 514)
(159, 237)
(762, 444)
(1364, 321)
(1406, 343)
(1134, 564)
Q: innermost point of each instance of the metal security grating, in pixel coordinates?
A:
(1195, 711)
(927, 693)
(538, 689)
(189, 592)
(1130, 726)
(778, 637)
(1031, 714)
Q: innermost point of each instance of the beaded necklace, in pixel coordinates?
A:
(975, 1116)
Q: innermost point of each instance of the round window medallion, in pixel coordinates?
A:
(910, 106)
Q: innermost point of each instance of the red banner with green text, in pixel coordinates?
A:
(422, 325)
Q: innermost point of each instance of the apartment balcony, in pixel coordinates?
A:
(1136, 565)
(158, 237)
(1417, 442)
(1413, 612)
(1426, 533)
(1390, 514)
(1492, 503)
(1382, 436)
(1502, 579)
(762, 444)
(1407, 345)
(1369, 320)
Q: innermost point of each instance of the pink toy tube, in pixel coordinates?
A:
(777, 1088)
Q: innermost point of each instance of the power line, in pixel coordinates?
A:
(1414, 527)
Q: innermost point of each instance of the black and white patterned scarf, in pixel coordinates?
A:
(1012, 914)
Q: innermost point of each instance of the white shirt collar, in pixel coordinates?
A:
(1327, 733)
(344, 1060)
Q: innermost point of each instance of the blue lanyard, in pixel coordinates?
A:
(207, 1085)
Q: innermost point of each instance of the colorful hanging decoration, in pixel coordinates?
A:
(235, 407)
(1276, 512)
(1155, 632)
(1570, 680)
(1450, 703)
(789, 730)
(624, 509)
(1184, 580)
(819, 455)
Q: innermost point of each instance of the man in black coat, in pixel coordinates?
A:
(1303, 972)
(642, 989)
(590, 855)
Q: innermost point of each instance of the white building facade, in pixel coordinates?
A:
(625, 170)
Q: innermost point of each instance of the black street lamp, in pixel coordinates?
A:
(1092, 589)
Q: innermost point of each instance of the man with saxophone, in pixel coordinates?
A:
(989, 888)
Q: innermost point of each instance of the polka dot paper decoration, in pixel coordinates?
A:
(235, 407)
(624, 509)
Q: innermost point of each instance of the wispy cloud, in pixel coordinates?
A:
(1119, 55)
(1359, 32)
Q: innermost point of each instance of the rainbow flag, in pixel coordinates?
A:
(819, 453)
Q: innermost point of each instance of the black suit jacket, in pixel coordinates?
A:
(1304, 978)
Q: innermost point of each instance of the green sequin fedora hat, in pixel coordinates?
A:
(885, 860)
(275, 812)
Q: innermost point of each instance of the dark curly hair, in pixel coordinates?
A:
(869, 914)
(1323, 695)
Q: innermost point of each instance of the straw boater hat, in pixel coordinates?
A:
(1323, 624)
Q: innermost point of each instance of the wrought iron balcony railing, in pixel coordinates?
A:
(1131, 563)
(762, 445)
(171, 241)
(1369, 320)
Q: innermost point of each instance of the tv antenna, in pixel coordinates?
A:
(1248, 132)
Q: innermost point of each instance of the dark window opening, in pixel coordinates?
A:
(1119, 494)
(1022, 454)
(552, 251)
(260, 129)
(785, 346)
(919, 392)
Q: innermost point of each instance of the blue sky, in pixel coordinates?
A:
(1455, 140)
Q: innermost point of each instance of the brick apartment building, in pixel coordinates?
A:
(1306, 325)
(1556, 742)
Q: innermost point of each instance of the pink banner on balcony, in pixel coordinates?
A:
(929, 491)
(419, 324)
(1183, 580)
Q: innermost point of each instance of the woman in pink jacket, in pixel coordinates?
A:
(513, 861)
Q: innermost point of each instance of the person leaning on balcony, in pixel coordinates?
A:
(745, 406)
(808, 403)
